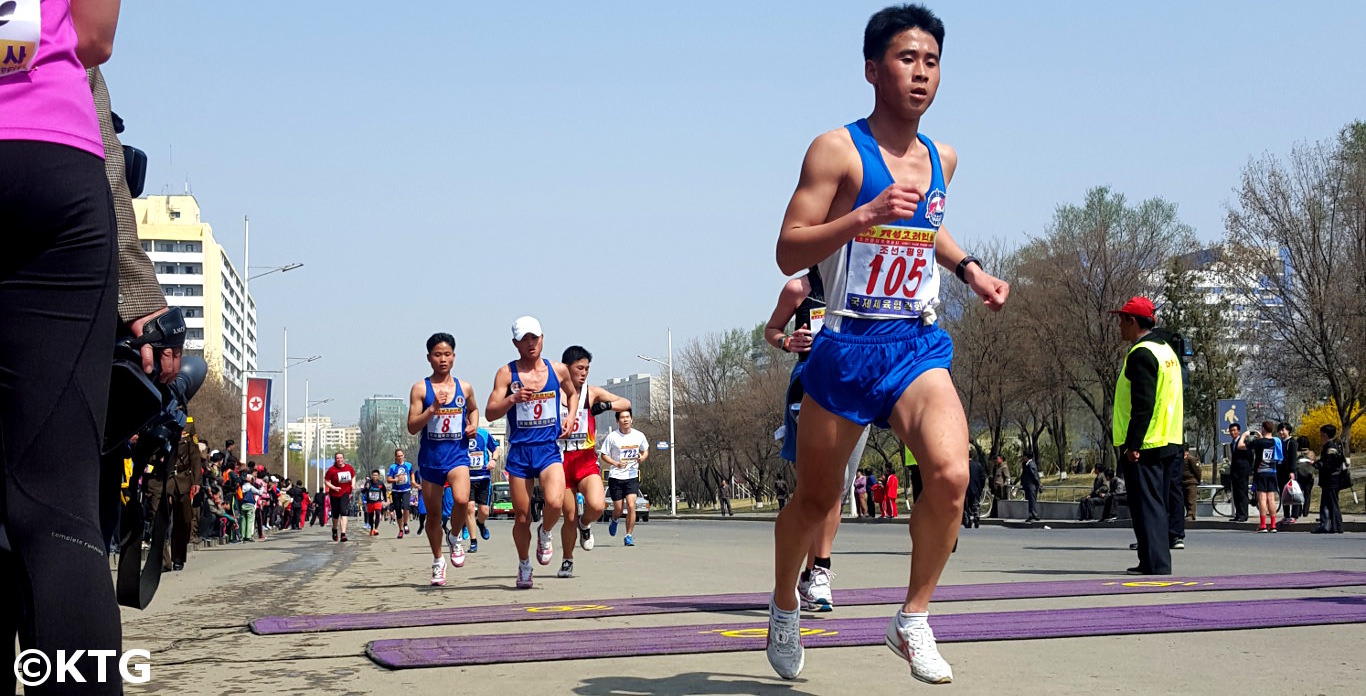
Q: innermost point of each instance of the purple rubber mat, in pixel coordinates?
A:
(640, 606)
(948, 628)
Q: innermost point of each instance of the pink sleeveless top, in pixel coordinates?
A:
(50, 102)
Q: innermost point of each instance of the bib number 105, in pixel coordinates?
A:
(898, 279)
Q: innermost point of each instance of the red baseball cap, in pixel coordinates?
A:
(1137, 307)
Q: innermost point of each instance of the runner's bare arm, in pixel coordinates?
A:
(598, 395)
(808, 234)
(418, 415)
(608, 458)
(499, 402)
(794, 291)
(571, 396)
(95, 22)
(991, 289)
(471, 409)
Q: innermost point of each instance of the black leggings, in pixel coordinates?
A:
(58, 295)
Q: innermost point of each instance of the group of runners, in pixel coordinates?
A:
(866, 219)
(550, 411)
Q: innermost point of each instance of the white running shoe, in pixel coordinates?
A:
(452, 540)
(566, 569)
(785, 651)
(586, 537)
(545, 550)
(815, 593)
(458, 555)
(439, 571)
(916, 646)
(524, 575)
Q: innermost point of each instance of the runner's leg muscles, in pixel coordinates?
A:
(520, 489)
(823, 445)
(552, 485)
(929, 418)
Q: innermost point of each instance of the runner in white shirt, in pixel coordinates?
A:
(624, 450)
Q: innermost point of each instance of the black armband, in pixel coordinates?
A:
(600, 408)
(962, 268)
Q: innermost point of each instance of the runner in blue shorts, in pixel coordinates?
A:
(869, 210)
(444, 411)
(482, 449)
(529, 391)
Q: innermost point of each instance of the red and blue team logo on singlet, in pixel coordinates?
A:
(934, 207)
(460, 401)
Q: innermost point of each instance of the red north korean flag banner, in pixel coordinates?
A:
(258, 416)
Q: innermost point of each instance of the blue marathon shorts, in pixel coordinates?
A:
(437, 475)
(528, 461)
(861, 377)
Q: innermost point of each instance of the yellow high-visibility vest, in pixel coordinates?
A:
(1167, 426)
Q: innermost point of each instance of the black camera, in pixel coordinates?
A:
(138, 404)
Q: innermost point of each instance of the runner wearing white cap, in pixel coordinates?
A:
(530, 391)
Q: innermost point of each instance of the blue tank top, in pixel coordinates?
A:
(443, 440)
(886, 281)
(536, 421)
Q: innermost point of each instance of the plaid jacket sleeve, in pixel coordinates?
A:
(139, 291)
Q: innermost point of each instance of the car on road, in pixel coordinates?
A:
(502, 500)
(642, 509)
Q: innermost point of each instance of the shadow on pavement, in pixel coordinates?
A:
(1046, 571)
(1073, 548)
(682, 684)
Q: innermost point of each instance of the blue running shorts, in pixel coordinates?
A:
(528, 461)
(861, 377)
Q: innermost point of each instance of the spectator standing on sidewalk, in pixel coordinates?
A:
(1148, 428)
(891, 492)
(1332, 465)
(1031, 482)
(780, 490)
(1304, 475)
(1190, 484)
(725, 499)
(861, 493)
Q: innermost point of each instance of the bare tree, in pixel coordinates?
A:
(1297, 238)
(1091, 260)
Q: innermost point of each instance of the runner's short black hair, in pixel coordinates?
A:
(573, 354)
(439, 338)
(1330, 430)
(887, 23)
(624, 413)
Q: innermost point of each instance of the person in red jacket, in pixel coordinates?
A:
(890, 493)
(880, 495)
(338, 481)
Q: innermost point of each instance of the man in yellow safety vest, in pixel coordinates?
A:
(1148, 430)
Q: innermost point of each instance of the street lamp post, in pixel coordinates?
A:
(246, 308)
(318, 439)
(673, 446)
(285, 414)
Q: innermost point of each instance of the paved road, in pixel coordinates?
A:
(196, 628)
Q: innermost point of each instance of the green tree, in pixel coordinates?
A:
(1212, 357)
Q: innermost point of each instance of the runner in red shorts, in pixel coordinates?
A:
(581, 471)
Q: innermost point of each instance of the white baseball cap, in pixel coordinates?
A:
(524, 326)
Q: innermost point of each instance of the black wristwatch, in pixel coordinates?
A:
(962, 268)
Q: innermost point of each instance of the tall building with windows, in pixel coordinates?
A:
(197, 276)
(390, 414)
(649, 395)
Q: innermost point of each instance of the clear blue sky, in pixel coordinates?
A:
(617, 168)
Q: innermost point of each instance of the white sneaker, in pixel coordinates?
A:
(545, 550)
(439, 571)
(452, 540)
(586, 537)
(785, 651)
(566, 569)
(916, 646)
(457, 555)
(815, 593)
(524, 575)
